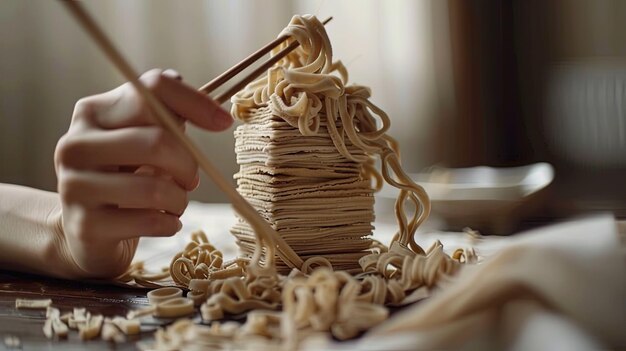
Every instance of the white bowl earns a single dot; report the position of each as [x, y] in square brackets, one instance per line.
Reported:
[492, 200]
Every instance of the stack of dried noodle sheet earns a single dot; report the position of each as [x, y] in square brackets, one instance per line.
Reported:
[315, 198]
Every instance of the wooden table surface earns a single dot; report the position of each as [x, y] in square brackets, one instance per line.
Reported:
[99, 299]
[102, 299]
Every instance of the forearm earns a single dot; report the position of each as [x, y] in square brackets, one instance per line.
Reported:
[31, 235]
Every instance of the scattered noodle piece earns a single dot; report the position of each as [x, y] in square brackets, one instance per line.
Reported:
[52, 312]
[163, 294]
[35, 304]
[79, 318]
[110, 332]
[127, 326]
[474, 236]
[65, 318]
[468, 255]
[47, 329]
[12, 342]
[171, 308]
[198, 297]
[91, 328]
[136, 272]
[54, 325]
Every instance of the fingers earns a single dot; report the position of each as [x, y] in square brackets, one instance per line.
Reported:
[124, 190]
[124, 107]
[113, 225]
[136, 223]
[133, 146]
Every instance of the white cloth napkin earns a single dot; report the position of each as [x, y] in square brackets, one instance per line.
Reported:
[561, 287]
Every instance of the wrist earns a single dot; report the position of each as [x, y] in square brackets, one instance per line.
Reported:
[73, 261]
[31, 235]
[58, 253]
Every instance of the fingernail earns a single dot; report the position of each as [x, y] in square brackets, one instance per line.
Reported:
[180, 226]
[172, 74]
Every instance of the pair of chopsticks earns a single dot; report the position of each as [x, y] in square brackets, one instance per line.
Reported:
[165, 117]
[230, 73]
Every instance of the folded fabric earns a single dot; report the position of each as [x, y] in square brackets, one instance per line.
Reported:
[561, 287]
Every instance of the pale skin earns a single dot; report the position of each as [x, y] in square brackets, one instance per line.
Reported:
[120, 176]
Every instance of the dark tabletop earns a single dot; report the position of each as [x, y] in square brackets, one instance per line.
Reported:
[27, 325]
[105, 299]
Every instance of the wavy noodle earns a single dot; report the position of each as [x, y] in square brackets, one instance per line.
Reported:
[136, 272]
[198, 260]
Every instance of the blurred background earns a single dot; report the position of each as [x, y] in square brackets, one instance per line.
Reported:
[466, 83]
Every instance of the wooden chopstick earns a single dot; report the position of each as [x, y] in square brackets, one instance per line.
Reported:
[231, 72]
[165, 117]
[225, 96]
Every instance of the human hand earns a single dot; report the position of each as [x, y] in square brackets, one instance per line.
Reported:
[122, 176]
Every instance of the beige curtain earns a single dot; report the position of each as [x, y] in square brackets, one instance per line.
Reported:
[48, 63]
